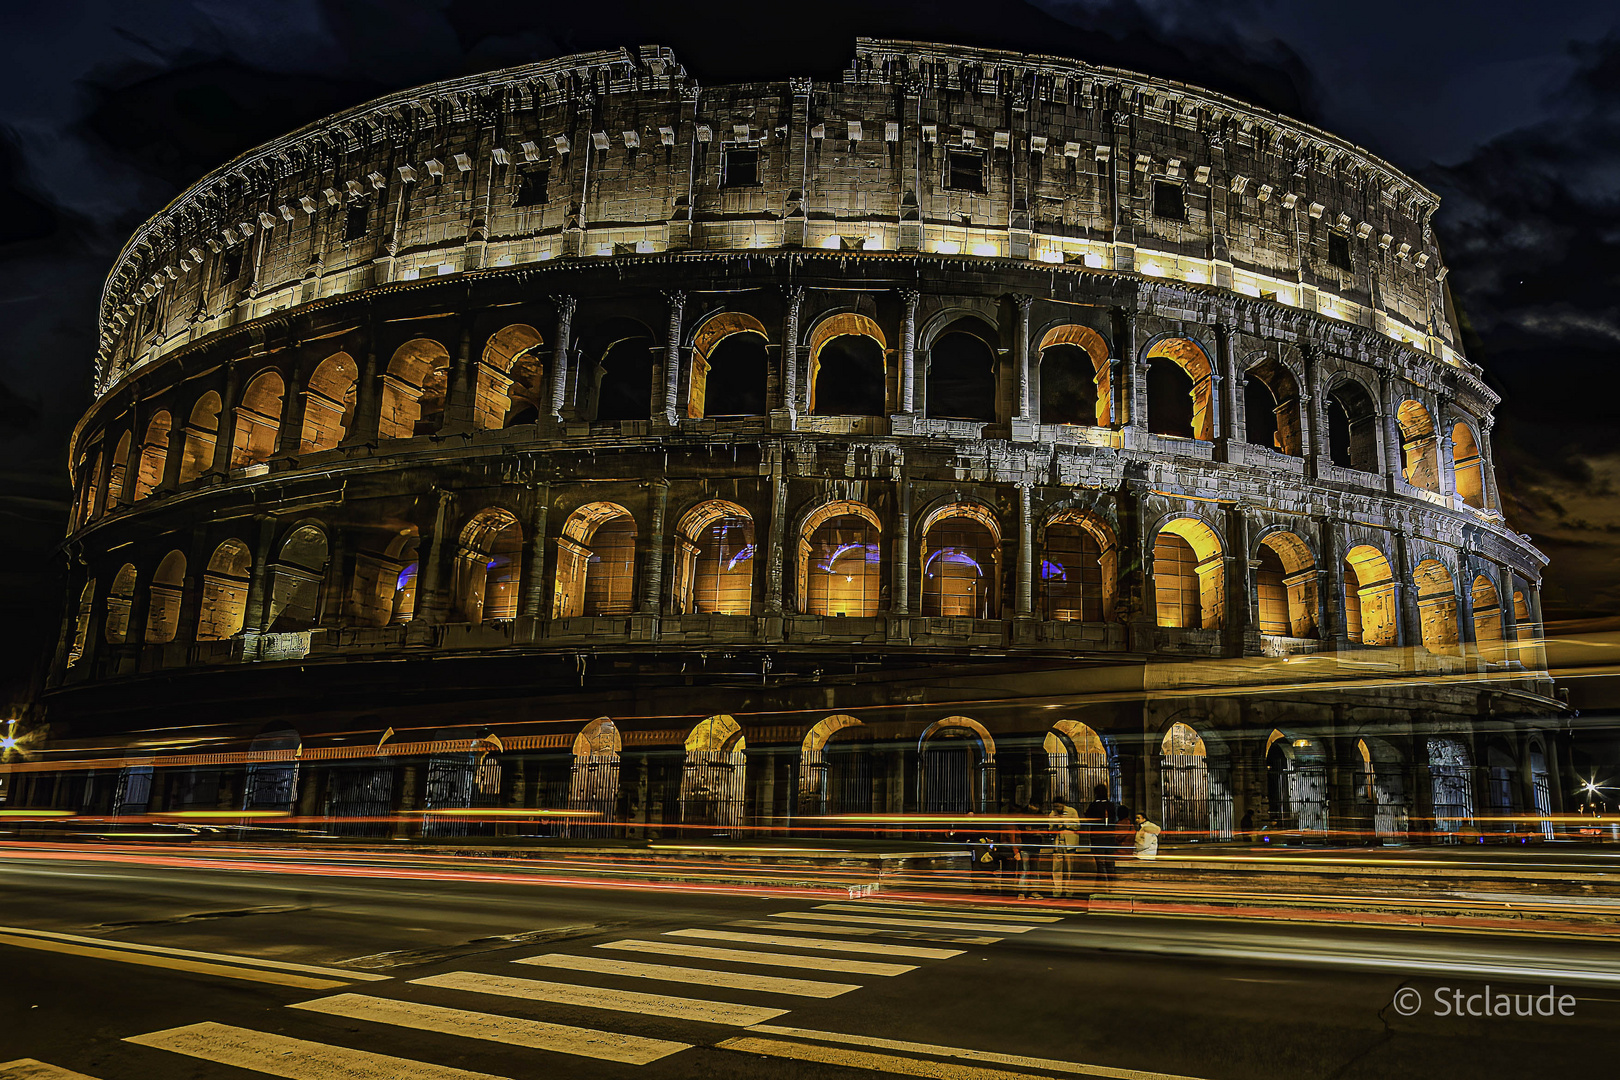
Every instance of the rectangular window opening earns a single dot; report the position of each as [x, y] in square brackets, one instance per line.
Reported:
[1339, 250]
[964, 171]
[230, 265]
[1169, 201]
[739, 167]
[355, 220]
[531, 190]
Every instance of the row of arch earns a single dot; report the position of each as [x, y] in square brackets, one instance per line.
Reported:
[850, 359]
[838, 572]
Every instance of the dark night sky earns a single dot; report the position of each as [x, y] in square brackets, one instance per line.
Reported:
[1511, 111]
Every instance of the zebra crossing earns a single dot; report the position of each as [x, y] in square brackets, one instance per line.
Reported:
[818, 954]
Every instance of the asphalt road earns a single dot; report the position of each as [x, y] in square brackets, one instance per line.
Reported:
[128, 969]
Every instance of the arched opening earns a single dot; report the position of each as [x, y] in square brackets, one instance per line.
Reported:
[120, 598]
[714, 560]
[593, 779]
[1451, 786]
[163, 600]
[1180, 390]
[730, 367]
[836, 769]
[1370, 617]
[1352, 427]
[296, 579]
[402, 553]
[1487, 619]
[413, 390]
[1437, 606]
[1541, 789]
[329, 401]
[839, 560]
[1078, 763]
[1524, 631]
[958, 764]
[1285, 585]
[1383, 787]
[1467, 466]
[202, 433]
[1192, 801]
[463, 773]
[1079, 569]
[510, 382]
[154, 455]
[847, 367]
[272, 773]
[712, 780]
[224, 592]
[962, 372]
[1502, 800]
[489, 558]
[1419, 458]
[258, 420]
[621, 378]
[1189, 588]
[81, 622]
[961, 562]
[1271, 408]
[1075, 383]
[596, 563]
[86, 487]
[117, 469]
[1296, 784]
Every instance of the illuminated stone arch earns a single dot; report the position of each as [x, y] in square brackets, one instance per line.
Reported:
[154, 455]
[1071, 393]
[1189, 575]
[593, 779]
[714, 560]
[163, 599]
[960, 560]
[510, 384]
[839, 559]
[1370, 613]
[202, 433]
[1468, 466]
[712, 779]
[1437, 605]
[820, 791]
[1285, 585]
[224, 592]
[963, 370]
[1180, 389]
[1079, 568]
[596, 562]
[81, 623]
[296, 580]
[117, 471]
[1296, 781]
[953, 781]
[413, 390]
[258, 420]
[1078, 762]
[489, 563]
[855, 384]
[120, 599]
[1487, 604]
[1420, 465]
[1271, 400]
[1352, 422]
[1195, 798]
[730, 367]
[329, 402]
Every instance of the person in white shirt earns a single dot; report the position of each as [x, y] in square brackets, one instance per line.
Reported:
[1067, 843]
[1147, 838]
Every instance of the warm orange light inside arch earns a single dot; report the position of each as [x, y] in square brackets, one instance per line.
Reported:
[845, 323]
[1092, 344]
[1286, 586]
[1191, 358]
[1369, 596]
[1189, 577]
[1437, 605]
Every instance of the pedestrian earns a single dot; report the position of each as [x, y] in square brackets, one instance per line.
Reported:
[1123, 834]
[1066, 843]
[1147, 838]
[1099, 823]
[1029, 854]
[986, 863]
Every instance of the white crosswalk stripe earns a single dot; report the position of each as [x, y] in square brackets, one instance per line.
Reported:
[867, 931]
[31, 1069]
[942, 913]
[864, 948]
[878, 920]
[590, 997]
[293, 1059]
[744, 956]
[507, 1030]
[770, 984]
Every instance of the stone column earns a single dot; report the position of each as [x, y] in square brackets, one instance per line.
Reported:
[1539, 627]
[140, 610]
[532, 587]
[367, 396]
[1227, 365]
[785, 416]
[292, 413]
[1409, 624]
[556, 389]
[460, 395]
[1021, 355]
[1130, 392]
[1026, 553]
[1391, 457]
[175, 455]
[256, 616]
[1329, 583]
[225, 433]
[777, 538]
[900, 602]
[652, 578]
[1312, 431]
[672, 358]
[432, 596]
[335, 588]
[1505, 613]
[908, 350]
[1486, 423]
[138, 418]
[1444, 449]
[1241, 615]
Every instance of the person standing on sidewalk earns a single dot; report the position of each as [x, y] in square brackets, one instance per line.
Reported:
[1146, 839]
[1122, 836]
[1066, 844]
[1099, 818]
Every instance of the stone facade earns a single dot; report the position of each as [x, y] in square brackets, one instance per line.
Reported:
[838, 444]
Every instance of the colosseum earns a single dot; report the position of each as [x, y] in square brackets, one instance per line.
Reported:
[580, 440]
